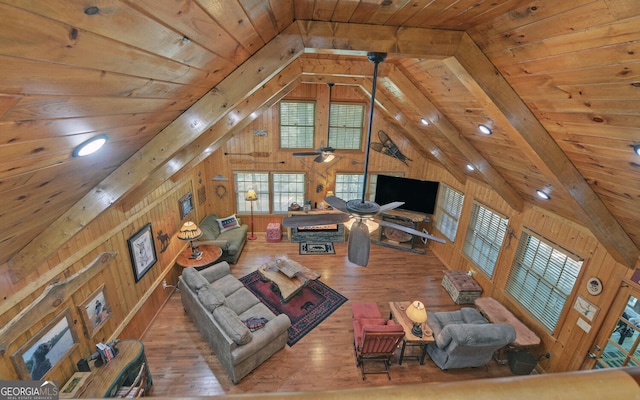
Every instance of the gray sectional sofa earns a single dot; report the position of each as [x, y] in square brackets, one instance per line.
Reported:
[218, 303]
[231, 242]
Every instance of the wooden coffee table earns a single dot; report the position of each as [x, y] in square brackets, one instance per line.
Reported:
[397, 313]
[287, 276]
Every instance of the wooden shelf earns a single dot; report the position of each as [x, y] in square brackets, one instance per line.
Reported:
[417, 221]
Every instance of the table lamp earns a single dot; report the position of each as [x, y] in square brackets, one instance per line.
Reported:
[251, 197]
[191, 232]
[418, 314]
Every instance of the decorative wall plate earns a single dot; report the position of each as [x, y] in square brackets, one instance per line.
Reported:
[594, 286]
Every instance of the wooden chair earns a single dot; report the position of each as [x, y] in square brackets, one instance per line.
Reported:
[137, 386]
[376, 343]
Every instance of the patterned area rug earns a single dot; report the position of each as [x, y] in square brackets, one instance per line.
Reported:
[317, 248]
[307, 309]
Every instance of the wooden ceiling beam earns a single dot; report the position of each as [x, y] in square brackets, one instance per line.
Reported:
[211, 108]
[410, 96]
[358, 39]
[481, 77]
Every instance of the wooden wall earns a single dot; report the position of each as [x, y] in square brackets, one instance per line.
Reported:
[133, 305]
[569, 344]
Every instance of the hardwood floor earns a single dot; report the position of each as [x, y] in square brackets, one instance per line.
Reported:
[182, 364]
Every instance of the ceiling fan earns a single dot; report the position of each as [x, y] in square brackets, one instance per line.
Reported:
[323, 154]
[359, 213]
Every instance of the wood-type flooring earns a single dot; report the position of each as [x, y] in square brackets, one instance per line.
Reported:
[183, 365]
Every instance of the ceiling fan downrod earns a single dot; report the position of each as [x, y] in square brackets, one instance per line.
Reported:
[375, 58]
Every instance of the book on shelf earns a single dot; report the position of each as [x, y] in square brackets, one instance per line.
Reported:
[106, 352]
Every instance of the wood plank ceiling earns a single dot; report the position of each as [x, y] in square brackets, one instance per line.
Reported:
[558, 82]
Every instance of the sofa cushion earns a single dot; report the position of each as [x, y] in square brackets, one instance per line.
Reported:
[232, 325]
[228, 223]
[209, 227]
[216, 271]
[227, 285]
[241, 300]
[194, 279]
[211, 298]
[235, 239]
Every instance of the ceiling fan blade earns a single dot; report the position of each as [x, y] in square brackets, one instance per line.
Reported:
[297, 221]
[391, 206]
[359, 243]
[337, 203]
[306, 154]
[410, 230]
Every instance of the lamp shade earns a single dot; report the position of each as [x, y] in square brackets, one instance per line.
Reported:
[417, 312]
[371, 224]
[251, 195]
[189, 231]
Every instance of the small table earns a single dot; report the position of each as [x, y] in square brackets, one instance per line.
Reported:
[498, 314]
[287, 276]
[397, 312]
[210, 254]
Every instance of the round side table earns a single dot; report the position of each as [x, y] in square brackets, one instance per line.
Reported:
[210, 254]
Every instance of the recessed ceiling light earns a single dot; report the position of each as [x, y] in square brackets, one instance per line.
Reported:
[424, 121]
[471, 167]
[542, 195]
[636, 148]
[90, 146]
[485, 129]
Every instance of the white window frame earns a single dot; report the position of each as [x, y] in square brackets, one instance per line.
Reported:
[297, 131]
[290, 191]
[346, 125]
[542, 277]
[448, 210]
[264, 183]
[485, 234]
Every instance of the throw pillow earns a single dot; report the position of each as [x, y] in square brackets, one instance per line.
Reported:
[255, 323]
[230, 222]
[211, 298]
[232, 325]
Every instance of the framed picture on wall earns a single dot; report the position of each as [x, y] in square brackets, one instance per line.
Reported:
[142, 251]
[45, 349]
[186, 205]
[95, 310]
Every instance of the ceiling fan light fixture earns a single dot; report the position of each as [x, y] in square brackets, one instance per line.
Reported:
[90, 146]
[485, 129]
[371, 224]
[328, 158]
[542, 195]
[636, 149]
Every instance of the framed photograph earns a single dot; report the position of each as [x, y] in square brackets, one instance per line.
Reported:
[73, 385]
[586, 309]
[142, 251]
[186, 205]
[46, 348]
[95, 310]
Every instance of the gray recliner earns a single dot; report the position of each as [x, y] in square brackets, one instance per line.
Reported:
[464, 338]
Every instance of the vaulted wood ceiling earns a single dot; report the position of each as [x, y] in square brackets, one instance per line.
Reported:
[169, 81]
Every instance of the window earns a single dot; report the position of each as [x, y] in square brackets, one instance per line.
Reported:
[542, 277]
[349, 186]
[297, 121]
[484, 238]
[448, 211]
[258, 181]
[287, 189]
[345, 131]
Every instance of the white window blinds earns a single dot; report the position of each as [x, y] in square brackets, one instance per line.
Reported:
[484, 238]
[448, 211]
[297, 120]
[542, 277]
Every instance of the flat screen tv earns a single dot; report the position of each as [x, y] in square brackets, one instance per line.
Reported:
[419, 196]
